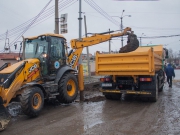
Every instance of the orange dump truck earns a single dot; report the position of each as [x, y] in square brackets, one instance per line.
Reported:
[139, 72]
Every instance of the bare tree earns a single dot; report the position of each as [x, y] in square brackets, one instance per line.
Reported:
[170, 53]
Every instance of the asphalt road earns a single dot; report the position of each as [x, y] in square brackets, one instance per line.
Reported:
[128, 116]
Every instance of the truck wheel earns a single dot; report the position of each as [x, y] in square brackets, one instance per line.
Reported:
[32, 101]
[162, 80]
[161, 89]
[116, 96]
[68, 88]
[155, 95]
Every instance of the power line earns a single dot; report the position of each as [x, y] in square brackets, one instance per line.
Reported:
[45, 14]
[40, 18]
[153, 28]
[101, 11]
[63, 6]
[162, 36]
[31, 23]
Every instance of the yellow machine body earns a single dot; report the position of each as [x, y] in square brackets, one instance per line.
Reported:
[29, 73]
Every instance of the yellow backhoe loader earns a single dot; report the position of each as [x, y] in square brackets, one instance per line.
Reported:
[45, 72]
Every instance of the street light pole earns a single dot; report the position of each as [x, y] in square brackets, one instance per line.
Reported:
[121, 31]
[121, 25]
[122, 28]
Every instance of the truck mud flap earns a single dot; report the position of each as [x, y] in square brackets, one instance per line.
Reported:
[5, 117]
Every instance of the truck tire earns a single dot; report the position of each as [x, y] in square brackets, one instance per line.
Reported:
[155, 95]
[161, 81]
[161, 89]
[68, 88]
[32, 101]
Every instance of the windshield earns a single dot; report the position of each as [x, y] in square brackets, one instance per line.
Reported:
[35, 47]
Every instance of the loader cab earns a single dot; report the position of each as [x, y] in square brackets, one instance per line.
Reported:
[50, 50]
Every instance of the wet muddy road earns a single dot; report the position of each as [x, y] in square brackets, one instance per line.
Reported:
[128, 116]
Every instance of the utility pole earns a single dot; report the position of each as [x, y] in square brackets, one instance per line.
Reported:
[80, 36]
[56, 31]
[89, 70]
[109, 43]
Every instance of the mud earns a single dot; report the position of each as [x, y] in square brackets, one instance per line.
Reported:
[131, 115]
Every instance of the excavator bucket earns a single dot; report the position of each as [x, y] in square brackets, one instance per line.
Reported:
[132, 44]
[4, 117]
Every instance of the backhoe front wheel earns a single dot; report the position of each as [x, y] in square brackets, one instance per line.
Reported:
[68, 88]
[32, 101]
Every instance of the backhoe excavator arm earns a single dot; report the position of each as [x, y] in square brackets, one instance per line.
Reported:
[78, 45]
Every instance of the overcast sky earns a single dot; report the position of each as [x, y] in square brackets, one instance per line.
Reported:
[153, 18]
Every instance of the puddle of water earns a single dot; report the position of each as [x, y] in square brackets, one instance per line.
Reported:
[92, 115]
[92, 124]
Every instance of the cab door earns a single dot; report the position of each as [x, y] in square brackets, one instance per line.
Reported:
[57, 55]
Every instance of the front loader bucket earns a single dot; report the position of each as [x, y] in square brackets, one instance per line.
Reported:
[132, 44]
[5, 117]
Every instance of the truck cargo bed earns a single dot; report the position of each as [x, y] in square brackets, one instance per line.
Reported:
[142, 61]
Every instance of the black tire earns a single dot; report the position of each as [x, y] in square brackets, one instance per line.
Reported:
[162, 80]
[161, 89]
[68, 88]
[155, 95]
[116, 96]
[32, 101]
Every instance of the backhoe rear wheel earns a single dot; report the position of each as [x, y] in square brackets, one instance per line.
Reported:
[68, 88]
[32, 101]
